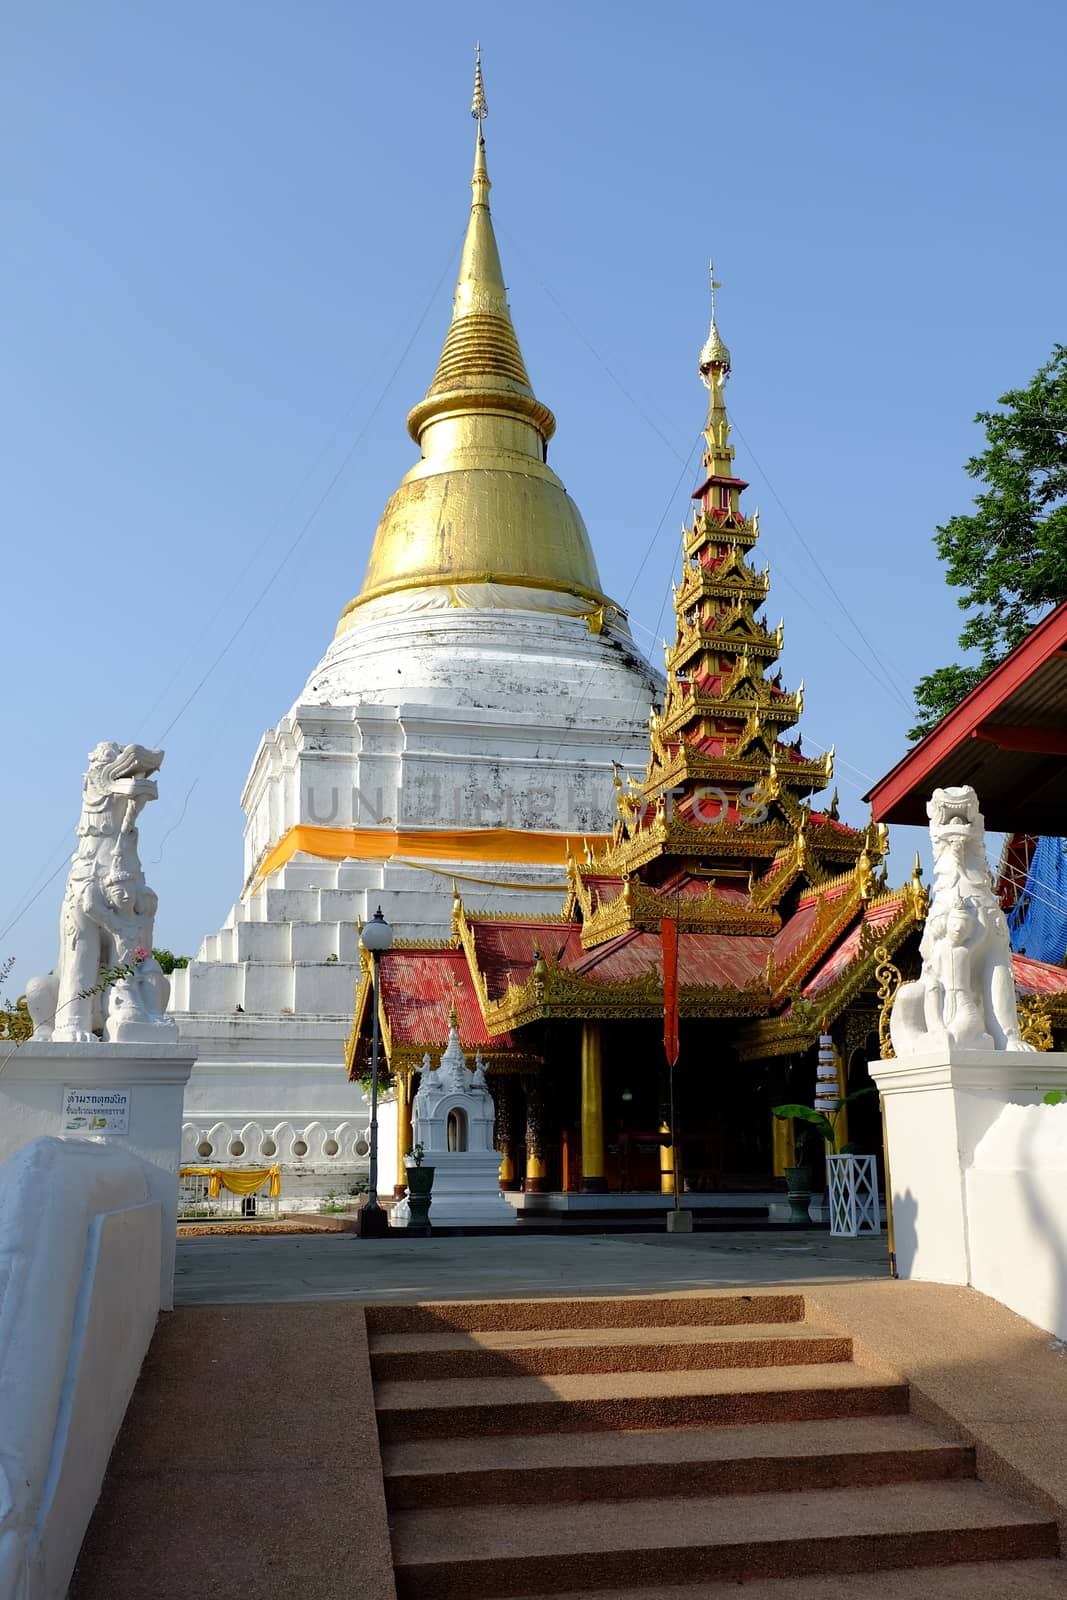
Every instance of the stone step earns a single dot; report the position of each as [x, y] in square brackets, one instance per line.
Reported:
[460, 1354]
[473, 1553]
[512, 1469]
[973, 1580]
[640, 1311]
[439, 1408]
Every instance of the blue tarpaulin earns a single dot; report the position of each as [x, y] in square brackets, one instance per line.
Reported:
[1038, 920]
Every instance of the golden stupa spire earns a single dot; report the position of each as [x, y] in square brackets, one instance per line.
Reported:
[481, 351]
[482, 505]
[714, 371]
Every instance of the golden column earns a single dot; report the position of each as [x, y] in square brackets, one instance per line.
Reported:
[404, 1136]
[593, 1178]
[667, 1168]
[536, 1181]
[500, 1087]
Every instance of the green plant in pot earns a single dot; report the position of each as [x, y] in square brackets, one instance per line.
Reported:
[420, 1184]
[819, 1128]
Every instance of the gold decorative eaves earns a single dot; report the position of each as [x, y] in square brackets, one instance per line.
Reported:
[888, 978]
[675, 837]
[681, 710]
[556, 993]
[684, 764]
[643, 909]
[705, 530]
[833, 918]
[409, 1057]
[1035, 1022]
[461, 923]
[795, 1032]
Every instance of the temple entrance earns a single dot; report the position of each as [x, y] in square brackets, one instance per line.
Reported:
[722, 1114]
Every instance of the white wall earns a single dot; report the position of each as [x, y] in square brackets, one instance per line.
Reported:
[1016, 1193]
[80, 1247]
[978, 1165]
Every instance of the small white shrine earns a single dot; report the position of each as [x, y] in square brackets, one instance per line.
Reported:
[452, 1119]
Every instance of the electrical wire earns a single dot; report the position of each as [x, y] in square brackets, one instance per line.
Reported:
[256, 553]
[889, 672]
[665, 513]
[21, 912]
[31, 898]
[312, 515]
[885, 675]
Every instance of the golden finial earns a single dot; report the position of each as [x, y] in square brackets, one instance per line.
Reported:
[479, 109]
[453, 1016]
[715, 357]
[919, 898]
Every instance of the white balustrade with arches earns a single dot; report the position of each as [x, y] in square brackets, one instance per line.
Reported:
[317, 1158]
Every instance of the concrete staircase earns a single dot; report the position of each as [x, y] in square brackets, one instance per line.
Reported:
[667, 1448]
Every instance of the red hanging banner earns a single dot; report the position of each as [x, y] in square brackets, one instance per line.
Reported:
[669, 932]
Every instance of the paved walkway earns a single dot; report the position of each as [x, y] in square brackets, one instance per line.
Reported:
[231, 1270]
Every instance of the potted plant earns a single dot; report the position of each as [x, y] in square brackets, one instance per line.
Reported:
[852, 1178]
[420, 1183]
[798, 1180]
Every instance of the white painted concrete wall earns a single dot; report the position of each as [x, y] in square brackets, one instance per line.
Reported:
[31, 1105]
[80, 1246]
[1017, 1214]
[978, 1166]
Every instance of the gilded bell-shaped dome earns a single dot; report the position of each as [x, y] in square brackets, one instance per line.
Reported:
[481, 505]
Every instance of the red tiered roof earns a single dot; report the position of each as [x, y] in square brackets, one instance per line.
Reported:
[419, 988]
[1038, 977]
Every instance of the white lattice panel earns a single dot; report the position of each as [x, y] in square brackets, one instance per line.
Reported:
[853, 1195]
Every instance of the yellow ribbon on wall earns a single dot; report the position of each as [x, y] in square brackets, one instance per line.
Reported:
[238, 1180]
[459, 844]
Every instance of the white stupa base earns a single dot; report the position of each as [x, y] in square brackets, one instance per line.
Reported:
[425, 715]
[466, 1191]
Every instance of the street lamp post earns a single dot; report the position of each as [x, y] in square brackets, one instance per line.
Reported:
[377, 938]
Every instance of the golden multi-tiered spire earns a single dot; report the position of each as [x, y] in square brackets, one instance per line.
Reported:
[482, 505]
[724, 720]
[721, 835]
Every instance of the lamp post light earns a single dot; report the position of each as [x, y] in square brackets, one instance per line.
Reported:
[377, 938]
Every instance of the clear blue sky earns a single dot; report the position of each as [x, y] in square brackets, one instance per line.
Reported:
[223, 225]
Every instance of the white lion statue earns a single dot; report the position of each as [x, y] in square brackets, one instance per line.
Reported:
[107, 980]
[964, 998]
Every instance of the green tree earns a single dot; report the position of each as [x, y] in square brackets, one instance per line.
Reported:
[168, 960]
[1009, 555]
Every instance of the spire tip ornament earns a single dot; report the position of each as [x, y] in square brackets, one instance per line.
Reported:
[479, 108]
[714, 357]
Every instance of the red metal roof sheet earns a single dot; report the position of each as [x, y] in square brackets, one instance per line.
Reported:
[1021, 785]
[1038, 977]
[418, 989]
[845, 952]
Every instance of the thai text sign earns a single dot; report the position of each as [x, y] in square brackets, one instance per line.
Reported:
[96, 1110]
